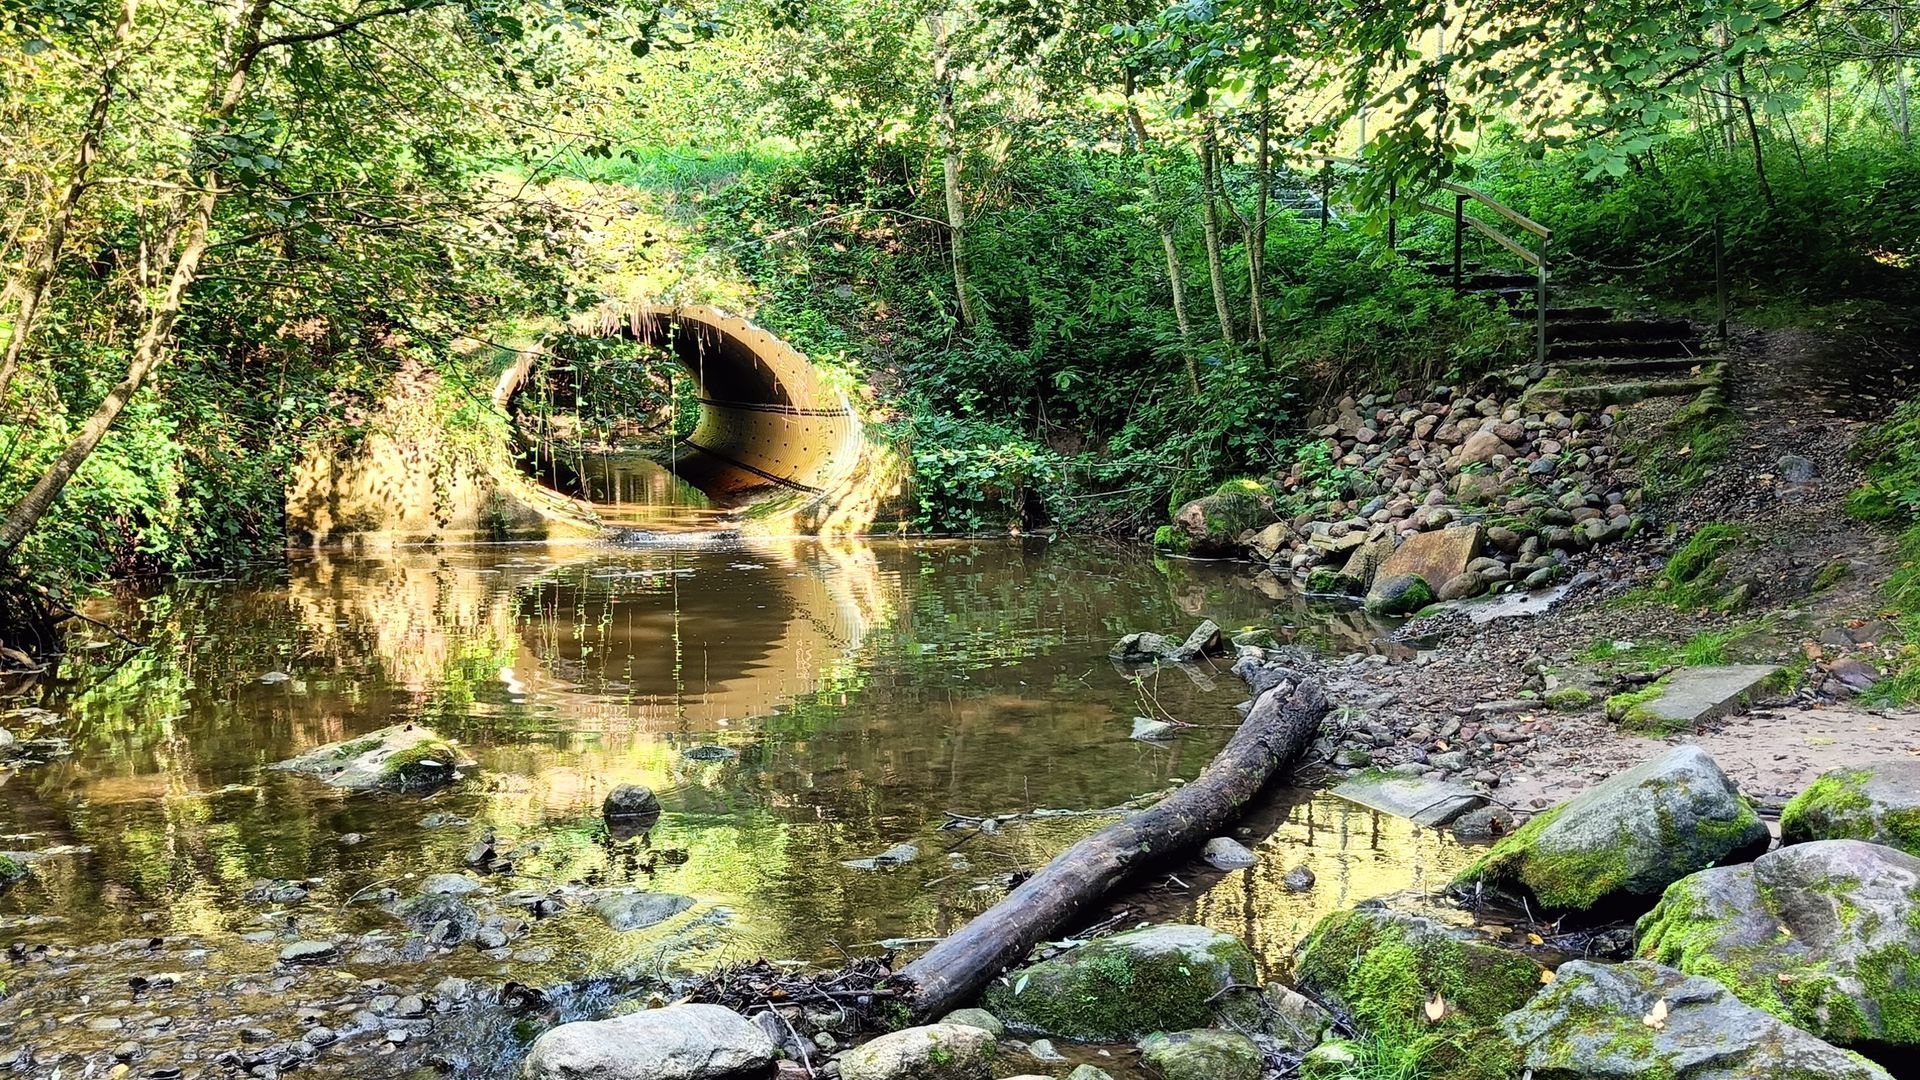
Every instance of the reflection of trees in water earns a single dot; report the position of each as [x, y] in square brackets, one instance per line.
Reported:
[868, 688]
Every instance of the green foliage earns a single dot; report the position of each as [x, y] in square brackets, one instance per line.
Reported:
[1890, 458]
[971, 475]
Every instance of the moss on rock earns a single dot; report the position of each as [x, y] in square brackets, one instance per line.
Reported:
[1202, 1055]
[1161, 978]
[1569, 698]
[1384, 967]
[1879, 804]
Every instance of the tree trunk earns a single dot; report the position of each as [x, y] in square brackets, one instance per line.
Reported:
[1164, 225]
[1257, 245]
[1210, 223]
[1753, 134]
[1281, 724]
[950, 170]
[224, 94]
[1903, 116]
[39, 274]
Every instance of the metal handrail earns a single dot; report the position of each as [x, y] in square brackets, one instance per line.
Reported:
[1535, 256]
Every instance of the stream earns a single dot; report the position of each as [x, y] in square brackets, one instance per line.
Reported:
[838, 699]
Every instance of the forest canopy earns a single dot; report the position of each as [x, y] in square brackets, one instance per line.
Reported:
[1082, 259]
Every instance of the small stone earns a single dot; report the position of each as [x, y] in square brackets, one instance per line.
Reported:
[1299, 879]
[308, 952]
[1226, 853]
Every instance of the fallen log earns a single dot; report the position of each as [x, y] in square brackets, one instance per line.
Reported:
[1281, 724]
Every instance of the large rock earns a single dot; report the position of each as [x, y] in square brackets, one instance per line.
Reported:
[1202, 1055]
[1438, 557]
[1399, 594]
[1641, 1021]
[1825, 935]
[680, 1042]
[631, 802]
[1114, 989]
[1212, 524]
[934, 1052]
[1481, 448]
[1627, 838]
[1879, 803]
[1365, 562]
[1384, 967]
[404, 757]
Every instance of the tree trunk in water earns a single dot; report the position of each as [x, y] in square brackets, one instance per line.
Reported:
[1281, 724]
[39, 275]
[224, 97]
[1164, 225]
[950, 171]
[1210, 222]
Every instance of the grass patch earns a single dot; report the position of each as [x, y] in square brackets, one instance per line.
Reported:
[1692, 578]
[1705, 649]
[1688, 447]
[1902, 684]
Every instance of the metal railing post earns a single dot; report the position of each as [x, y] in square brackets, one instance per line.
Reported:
[1540, 310]
[1326, 195]
[1393, 223]
[1459, 224]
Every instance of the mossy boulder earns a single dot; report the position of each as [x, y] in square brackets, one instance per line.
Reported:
[11, 871]
[1623, 841]
[933, 1052]
[1384, 968]
[1324, 581]
[1825, 935]
[1400, 594]
[404, 757]
[1204, 1054]
[1119, 988]
[1642, 1021]
[1212, 524]
[1879, 803]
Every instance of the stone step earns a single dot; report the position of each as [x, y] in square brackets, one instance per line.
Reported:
[1692, 695]
[1584, 313]
[1599, 395]
[1602, 366]
[1423, 800]
[1643, 347]
[1620, 330]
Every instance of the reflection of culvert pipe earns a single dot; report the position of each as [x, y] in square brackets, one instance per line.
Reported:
[769, 425]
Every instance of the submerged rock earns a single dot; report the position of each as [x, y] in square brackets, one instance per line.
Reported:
[1147, 729]
[680, 1042]
[1158, 978]
[632, 909]
[1293, 1018]
[1627, 838]
[1879, 803]
[934, 1052]
[1825, 935]
[404, 757]
[1640, 1020]
[1204, 1054]
[897, 855]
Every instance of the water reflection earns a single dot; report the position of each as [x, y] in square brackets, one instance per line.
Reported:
[864, 689]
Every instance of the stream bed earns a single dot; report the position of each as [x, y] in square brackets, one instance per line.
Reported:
[797, 705]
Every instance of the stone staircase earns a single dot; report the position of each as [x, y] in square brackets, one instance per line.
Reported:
[1595, 356]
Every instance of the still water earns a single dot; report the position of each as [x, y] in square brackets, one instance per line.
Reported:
[866, 690]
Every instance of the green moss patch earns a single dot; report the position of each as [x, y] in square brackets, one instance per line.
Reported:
[1837, 807]
[1384, 968]
[1114, 990]
[1569, 698]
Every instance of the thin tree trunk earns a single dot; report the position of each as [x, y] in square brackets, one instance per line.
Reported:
[224, 97]
[1753, 134]
[39, 274]
[1903, 117]
[1257, 246]
[1281, 724]
[1210, 223]
[1163, 223]
[950, 171]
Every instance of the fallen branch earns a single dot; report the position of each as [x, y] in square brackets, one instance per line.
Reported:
[1281, 724]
